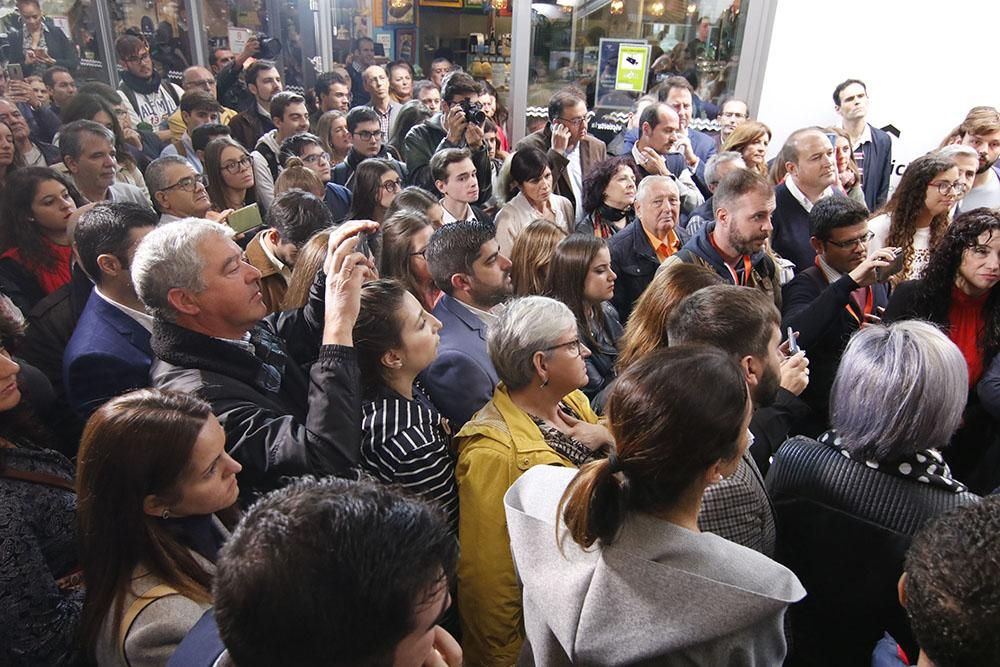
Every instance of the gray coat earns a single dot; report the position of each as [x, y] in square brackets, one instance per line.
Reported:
[660, 594]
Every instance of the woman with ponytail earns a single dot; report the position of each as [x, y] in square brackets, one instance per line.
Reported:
[614, 568]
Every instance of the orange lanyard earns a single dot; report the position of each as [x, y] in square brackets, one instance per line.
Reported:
[747, 266]
[869, 302]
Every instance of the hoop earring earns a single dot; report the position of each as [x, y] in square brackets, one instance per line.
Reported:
[544, 384]
[166, 514]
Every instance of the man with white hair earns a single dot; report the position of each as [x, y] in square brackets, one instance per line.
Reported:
[638, 250]
[210, 340]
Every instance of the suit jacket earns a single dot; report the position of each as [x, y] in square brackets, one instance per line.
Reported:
[107, 355]
[635, 262]
[818, 310]
[703, 146]
[711, 601]
[461, 379]
[790, 238]
[877, 167]
[591, 150]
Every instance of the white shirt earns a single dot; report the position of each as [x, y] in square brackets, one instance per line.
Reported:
[34, 157]
[576, 180]
[879, 225]
[800, 196]
[447, 218]
[488, 318]
[145, 320]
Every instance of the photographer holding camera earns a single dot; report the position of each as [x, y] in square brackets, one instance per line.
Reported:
[458, 125]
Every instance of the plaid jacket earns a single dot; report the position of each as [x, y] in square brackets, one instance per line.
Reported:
[738, 509]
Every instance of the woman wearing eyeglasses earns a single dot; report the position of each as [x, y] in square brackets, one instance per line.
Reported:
[958, 293]
[309, 150]
[376, 184]
[229, 170]
[404, 240]
[537, 417]
[917, 214]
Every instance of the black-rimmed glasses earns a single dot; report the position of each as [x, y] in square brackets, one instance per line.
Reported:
[578, 346]
[851, 243]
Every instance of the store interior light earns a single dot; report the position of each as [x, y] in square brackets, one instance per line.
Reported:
[692, 8]
[617, 7]
[657, 8]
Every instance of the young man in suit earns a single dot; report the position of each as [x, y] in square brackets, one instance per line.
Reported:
[465, 261]
[828, 302]
[109, 351]
[872, 147]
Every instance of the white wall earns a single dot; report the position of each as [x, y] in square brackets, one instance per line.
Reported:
[925, 64]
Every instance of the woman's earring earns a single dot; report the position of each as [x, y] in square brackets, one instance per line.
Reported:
[166, 514]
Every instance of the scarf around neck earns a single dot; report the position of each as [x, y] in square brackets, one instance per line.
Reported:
[142, 86]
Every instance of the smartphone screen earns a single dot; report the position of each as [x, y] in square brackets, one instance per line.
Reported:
[244, 219]
[14, 72]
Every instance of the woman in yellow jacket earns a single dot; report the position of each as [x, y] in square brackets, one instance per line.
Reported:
[537, 416]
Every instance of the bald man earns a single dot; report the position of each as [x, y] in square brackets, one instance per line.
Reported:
[196, 78]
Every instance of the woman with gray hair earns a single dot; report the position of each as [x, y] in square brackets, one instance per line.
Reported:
[847, 505]
[537, 416]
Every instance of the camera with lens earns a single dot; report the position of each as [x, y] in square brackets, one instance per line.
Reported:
[473, 112]
[270, 47]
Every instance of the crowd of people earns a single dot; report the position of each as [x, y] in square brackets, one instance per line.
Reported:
[357, 378]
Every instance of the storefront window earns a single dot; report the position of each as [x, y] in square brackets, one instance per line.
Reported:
[78, 20]
[578, 42]
[164, 24]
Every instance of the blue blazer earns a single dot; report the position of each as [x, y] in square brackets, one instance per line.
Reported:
[877, 166]
[108, 354]
[461, 379]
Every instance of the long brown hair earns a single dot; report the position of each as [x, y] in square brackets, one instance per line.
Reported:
[134, 446]
[397, 235]
[216, 184]
[908, 202]
[568, 271]
[852, 165]
[744, 135]
[379, 328]
[647, 327]
[673, 414]
[308, 263]
[531, 254]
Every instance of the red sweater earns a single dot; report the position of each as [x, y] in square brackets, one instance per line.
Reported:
[52, 278]
[966, 322]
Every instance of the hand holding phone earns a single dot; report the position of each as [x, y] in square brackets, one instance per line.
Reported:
[793, 343]
[244, 219]
[883, 273]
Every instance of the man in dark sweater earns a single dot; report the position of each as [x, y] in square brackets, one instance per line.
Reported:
[826, 303]
[812, 171]
[285, 388]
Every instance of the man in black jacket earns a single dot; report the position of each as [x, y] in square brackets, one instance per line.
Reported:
[449, 129]
[828, 302]
[263, 82]
[366, 142]
[282, 417]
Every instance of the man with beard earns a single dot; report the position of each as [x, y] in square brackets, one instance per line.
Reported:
[872, 146]
[733, 246]
[981, 131]
[465, 262]
[639, 249]
[150, 99]
[744, 323]
[830, 301]
[812, 171]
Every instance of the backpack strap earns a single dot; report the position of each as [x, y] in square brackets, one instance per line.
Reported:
[138, 605]
[168, 84]
[130, 94]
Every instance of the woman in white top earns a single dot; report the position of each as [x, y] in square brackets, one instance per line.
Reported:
[918, 212]
[614, 567]
[531, 175]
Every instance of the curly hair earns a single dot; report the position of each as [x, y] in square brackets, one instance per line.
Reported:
[596, 181]
[908, 202]
[934, 298]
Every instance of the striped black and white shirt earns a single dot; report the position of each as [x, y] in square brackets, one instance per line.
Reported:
[407, 443]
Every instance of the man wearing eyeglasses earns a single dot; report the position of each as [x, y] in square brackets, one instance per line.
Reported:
[197, 79]
[827, 302]
[732, 114]
[571, 151]
[366, 142]
[308, 148]
[290, 117]
[178, 191]
[197, 108]
[151, 100]
[812, 171]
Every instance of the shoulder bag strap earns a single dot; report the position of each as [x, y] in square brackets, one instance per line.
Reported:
[149, 597]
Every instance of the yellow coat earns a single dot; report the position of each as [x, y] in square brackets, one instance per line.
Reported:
[495, 447]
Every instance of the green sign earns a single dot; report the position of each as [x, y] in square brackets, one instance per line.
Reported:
[633, 67]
